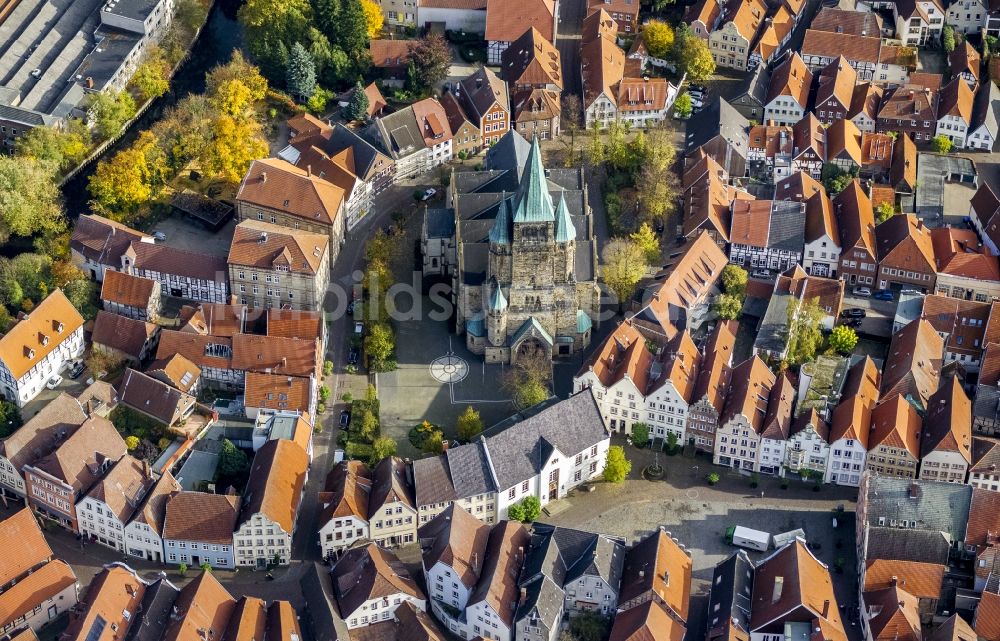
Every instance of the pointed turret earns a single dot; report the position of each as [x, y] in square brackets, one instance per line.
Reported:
[500, 232]
[497, 301]
[534, 204]
[565, 231]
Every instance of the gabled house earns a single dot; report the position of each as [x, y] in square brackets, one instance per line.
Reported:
[370, 583]
[865, 103]
[181, 273]
[946, 444]
[706, 199]
[776, 33]
[624, 12]
[918, 21]
[417, 138]
[909, 111]
[467, 137]
[155, 399]
[856, 223]
[891, 614]
[486, 101]
[36, 439]
[497, 591]
[913, 366]
[820, 48]
[720, 131]
[711, 388]
[658, 571]
[965, 63]
[808, 446]
[809, 151]
[532, 68]
[702, 17]
[961, 325]
[737, 439]
[505, 22]
[97, 244]
[130, 296]
[111, 503]
[788, 95]
[777, 427]
[855, 23]
[767, 234]
[198, 528]
[392, 514]
[344, 507]
[730, 43]
[124, 338]
[955, 111]
[905, 254]
[969, 17]
[843, 146]
[144, 531]
[876, 156]
[602, 66]
[729, 598]
[459, 476]
[984, 131]
[751, 94]
[922, 581]
[894, 442]
[835, 91]
[850, 424]
[966, 269]
[770, 152]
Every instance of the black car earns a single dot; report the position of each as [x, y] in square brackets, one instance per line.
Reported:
[853, 312]
[350, 308]
[345, 418]
[352, 358]
[853, 322]
[76, 369]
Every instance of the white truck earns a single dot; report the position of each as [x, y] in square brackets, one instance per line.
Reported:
[744, 537]
[783, 539]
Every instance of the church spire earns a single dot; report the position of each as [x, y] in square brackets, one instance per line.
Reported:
[534, 204]
[498, 302]
[565, 231]
[500, 232]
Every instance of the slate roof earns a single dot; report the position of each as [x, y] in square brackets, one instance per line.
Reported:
[986, 111]
[432, 480]
[718, 118]
[470, 470]
[508, 153]
[156, 607]
[731, 594]
[519, 451]
[940, 507]
[542, 597]
[894, 543]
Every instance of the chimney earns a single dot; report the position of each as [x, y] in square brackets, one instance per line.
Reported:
[893, 580]
[309, 170]
[779, 583]
[642, 574]
[826, 608]
[145, 469]
[263, 177]
[524, 593]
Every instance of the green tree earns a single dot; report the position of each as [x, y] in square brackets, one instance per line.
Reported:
[82, 293]
[640, 434]
[433, 442]
[656, 184]
[237, 69]
[300, 78]
[843, 339]
[232, 460]
[804, 334]
[151, 77]
[884, 212]
[528, 381]
[271, 27]
[380, 342]
[712, 478]
[318, 102]
[182, 569]
[382, 448]
[357, 108]
[532, 508]
[623, 264]
[835, 179]
[646, 239]
[431, 59]
[10, 418]
[941, 144]
[727, 306]
[617, 467]
[470, 425]
[131, 442]
[692, 56]
[515, 512]
[369, 427]
[352, 32]
[734, 280]
[55, 149]
[659, 38]
[683, 105]
[948, 38]
[589, 626]
[109, 112]
[206, 566]
[30, 202]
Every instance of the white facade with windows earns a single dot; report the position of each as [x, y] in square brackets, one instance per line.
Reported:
[26, 387]
[341, 533]
[737, 445]
[729, 48]
[821, 257]
[567, 471]
[621, 405]
[601, 112]
[486, 622]
[98, 521]
[194, 553]
[394, 524]
[847, 462]
[953, 128]
[807, 450]
[943, 465]
[380, 609]
[968, 16]
[143, 541]
[261, 538]
[917, 31]
[666, 412]
[784, 110]
[771, 456]
[985, 481]
[444, 585]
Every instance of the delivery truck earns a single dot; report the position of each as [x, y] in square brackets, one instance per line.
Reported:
[744, 537]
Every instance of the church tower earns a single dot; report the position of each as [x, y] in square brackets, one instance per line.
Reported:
[496, 315]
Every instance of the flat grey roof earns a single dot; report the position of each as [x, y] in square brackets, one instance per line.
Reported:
[200, 466]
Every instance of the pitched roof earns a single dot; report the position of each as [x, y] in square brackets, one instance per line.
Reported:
[948, 426]
[958, 252]
[903, 173]
[602, 64]
[370, 572]
[706, 198]
[913, 366]
[746, 15]
[276, 184]
[984, 518]
[985, 454]
[867, 99]
[197, 516]
[792, 578]
[506, 21]
[905, 237]
[837, 80]
[153, 510]
[276, 355]
[705, 11]
[480, 92]
[409, 623]
[906, 103]
[953, 629]
[389, 485]
[532, 60]
[519, 450]
[167, 259]
[657, 565]
[282, 622]
[77, 460]
[985, 110]
[844, 141]
[749, 393]
[177, 371]
[791, 78]
[775, 31]
[103, 240]
[778, 420]
[829, 44]
[126, 289]
[122, 488]
[688, 284]
[858, 23]
[504, 555]
[896, 614]
[155, 398]
[277, 392]
[203, 604]
[457, 539]
[713, 380]
[42, 433]
[248, 621]
[855, 218]
[896, 424]
[389, 53]
[957, 100]
[274, 489]
[965, 59]
[39, 333]
[643, 94]
[646, 622]
[214, 319]
[35, 590]
[266, 246]
[126, 335]
[987, 620]
[24, 545]
[203, 351]
[922, 580]
[894, 543]
[113, 598]
[600, 24]
[347, 486]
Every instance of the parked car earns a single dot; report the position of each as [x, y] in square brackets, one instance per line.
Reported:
[678, 116]
[853, 322]
[429, 194]
[159, 236]
[910, 291]
[350, 308]
[76, 368]
[853, 312]
[352, 358]
[862, 291]
[345, 418]
[54, 382]
[761, 273]
[359, 328]
[883, 294]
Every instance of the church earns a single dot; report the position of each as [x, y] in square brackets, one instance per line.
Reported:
[516, 243]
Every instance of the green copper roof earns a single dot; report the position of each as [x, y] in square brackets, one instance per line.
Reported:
[534, 204]
[500, 232]
[476, 327]
[497, 301]
[583, 322]
[565, 231]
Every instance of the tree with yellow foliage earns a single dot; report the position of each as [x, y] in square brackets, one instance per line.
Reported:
[133, 177]
[235, 144]
[373, 17]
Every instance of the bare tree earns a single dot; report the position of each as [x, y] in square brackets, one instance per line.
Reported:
[572, 112]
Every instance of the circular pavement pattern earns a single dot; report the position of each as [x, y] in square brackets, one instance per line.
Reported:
[449, 369]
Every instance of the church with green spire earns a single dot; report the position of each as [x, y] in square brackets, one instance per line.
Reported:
[517, 242]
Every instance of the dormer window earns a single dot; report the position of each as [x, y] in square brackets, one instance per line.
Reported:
[59, 328]
[30, 352]
[43, 339]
